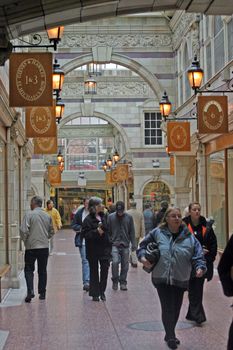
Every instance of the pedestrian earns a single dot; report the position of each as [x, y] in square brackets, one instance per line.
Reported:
[149, 218]
[35, 231]
[139, 226]
[160, 214]
[122, 234]
[180, 252]
[204, 232]
[76, 225]
[225, 267]
[98, 248]
[56, 219]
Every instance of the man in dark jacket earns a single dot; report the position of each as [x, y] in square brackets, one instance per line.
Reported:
[122, 233]
[225, 275]
[160, 215]
[80, 243]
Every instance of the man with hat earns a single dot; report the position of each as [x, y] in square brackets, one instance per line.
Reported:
[122, 233]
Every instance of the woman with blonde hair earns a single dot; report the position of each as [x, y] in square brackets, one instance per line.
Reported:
[180, 253]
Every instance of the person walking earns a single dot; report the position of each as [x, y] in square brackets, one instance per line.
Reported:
[149, 218]
[35, 231]
[56, 219]
[225, 274]
[122, 234]
[180, 252]
[76, 225]
[98, 248]
[139, 226]
[204, 232]
[160, 215]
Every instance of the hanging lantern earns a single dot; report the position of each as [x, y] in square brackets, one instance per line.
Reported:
[165, 105]
[90, 86]
[116, 156]
[195, 74]
[60, 157]
[60, 107]
[58, 77]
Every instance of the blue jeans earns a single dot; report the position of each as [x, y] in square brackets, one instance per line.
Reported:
[85, 265]
[120, 255]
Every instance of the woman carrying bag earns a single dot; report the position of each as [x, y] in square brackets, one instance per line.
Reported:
[180, 252]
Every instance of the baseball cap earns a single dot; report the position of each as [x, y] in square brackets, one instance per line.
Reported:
[120, 207]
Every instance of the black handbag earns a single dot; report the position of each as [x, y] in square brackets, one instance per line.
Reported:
[152, 255]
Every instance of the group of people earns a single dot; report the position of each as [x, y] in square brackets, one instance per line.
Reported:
[188, 247]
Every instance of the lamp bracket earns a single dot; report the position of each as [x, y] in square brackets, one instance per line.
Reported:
[228, 89]
[36, 41]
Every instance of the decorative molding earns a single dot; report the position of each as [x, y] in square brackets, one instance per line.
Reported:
[142, 40]
[104, 88]
[182, 27]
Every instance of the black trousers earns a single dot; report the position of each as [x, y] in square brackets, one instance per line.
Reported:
[98, 277]
[171, 298]
[30, 257]
[195, 293]
[230, 337]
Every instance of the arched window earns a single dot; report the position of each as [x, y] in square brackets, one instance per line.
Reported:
[219, 58]
[230, 39]
[186, 64]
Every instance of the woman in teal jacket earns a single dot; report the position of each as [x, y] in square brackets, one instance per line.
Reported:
[180, 255]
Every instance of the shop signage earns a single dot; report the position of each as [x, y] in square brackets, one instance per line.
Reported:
[41, 122]
[178, 136]
[31, 79]
[212, 114]
[45, 145]
[54, 174]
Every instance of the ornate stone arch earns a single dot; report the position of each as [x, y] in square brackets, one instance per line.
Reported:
[190, 174]
[151, 179]
[104, 117]
[148, 76]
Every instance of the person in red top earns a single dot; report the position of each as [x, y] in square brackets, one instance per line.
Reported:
[204, 232]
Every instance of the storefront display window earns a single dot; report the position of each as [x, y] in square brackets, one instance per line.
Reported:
[230, 189]
[216, 195]
[154, 193]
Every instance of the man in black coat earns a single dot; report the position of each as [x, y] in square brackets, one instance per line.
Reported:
[225, 275]
[80, 243]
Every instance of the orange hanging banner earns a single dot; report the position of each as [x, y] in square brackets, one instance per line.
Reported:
[122, 172]
[212, 114]
[54, 174]
[45, 145]
[178, 136]
[172, 165]
[31, 79]
[41, 122]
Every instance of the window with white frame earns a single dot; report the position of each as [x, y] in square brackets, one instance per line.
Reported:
[230, 39]
[219, 59]
[152, 130]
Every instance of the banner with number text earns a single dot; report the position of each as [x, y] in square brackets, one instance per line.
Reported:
[212, 114]
[31, 79]
[41, 122]
[178, 136]
[45, 145]
[54, 174]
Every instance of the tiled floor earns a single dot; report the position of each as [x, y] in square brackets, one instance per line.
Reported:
[69, 319]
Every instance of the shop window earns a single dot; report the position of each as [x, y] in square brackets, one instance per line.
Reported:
[230, 39]
[219, 58]
[154, 193]
[216, 195]
[152, 130]
[230, 188]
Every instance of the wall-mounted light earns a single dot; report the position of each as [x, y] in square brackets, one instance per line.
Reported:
[58, 78]
[165, 106]
[195, 74]
[60, 157]
[59, 109]
[54, 35]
